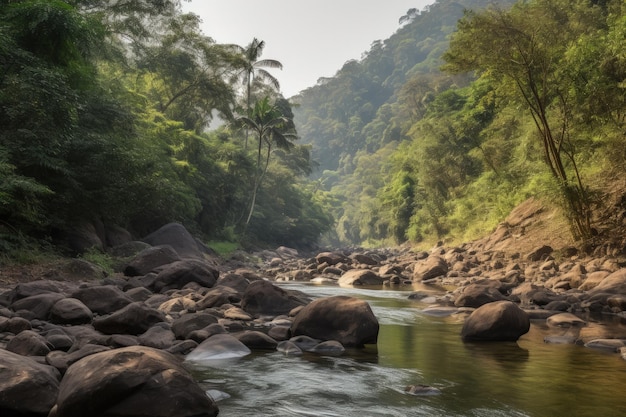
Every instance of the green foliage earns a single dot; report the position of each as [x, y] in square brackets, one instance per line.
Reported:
[103, 115]
[532, 105]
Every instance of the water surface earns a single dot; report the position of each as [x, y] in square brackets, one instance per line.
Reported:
[527, 378]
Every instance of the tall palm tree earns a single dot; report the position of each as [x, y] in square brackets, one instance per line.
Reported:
[272, 129]
[253, 67]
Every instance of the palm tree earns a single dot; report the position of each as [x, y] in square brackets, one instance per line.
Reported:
[253, 67]
[272, 129]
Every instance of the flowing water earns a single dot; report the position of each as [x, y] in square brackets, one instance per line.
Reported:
[527, 378]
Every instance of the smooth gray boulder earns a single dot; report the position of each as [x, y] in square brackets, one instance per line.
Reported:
[497, 321]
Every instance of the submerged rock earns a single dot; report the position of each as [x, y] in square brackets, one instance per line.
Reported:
[217, 347]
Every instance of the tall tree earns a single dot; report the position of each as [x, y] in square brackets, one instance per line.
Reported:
[272, 129]
[524, 48]
[253, 68]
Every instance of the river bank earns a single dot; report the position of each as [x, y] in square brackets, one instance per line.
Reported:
[170, 298]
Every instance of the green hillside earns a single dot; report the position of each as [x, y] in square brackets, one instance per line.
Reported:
[424, 139]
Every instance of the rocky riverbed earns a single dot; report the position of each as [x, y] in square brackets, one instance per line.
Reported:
[82, 342]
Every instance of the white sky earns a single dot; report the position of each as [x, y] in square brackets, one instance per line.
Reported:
[311, 38]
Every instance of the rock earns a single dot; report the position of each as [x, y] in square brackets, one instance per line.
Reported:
[234, 281]
[613, 345]
[422, 390]
[348, 320]
[265, 298]
[187, 323]
[176, 236]
[179, 304]
[28, 289]
[279, 333]
[27, 388]
[328, 348]
[360, 277]
[133, 319]
[497, 321]
[539, 253]
[289, 348]
[28, 343]
[304, 342]
[102, 299]
[330, 258]
[39, 305]
[218, 347]
[432, 267]
[440, 311]
[256, 340]
[476, 295]
[62, 360]
[177, 274]
[70, 311]
[149, 259]
[16, 325]
[131, 382]
[159, 336]
[592, 280]
[614, 283]
[565, 320]
[236, 313]
[219, 296]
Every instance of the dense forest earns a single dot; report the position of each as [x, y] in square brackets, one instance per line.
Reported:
[104, 109]
[440, 130]
[469, 108]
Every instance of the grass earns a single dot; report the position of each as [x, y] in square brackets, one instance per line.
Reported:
[223, 248]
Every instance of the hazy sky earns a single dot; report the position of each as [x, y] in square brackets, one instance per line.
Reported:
[311, 38]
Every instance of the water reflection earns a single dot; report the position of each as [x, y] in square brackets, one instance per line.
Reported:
[528, 378]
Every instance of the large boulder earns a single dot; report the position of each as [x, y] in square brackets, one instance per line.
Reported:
[70, 311]
[497, 321]
[37, 305]
[614, 283]
[177, 274]
[432, 267]
[265, 298]
[331, 258]
[27, 388]
[360, 277]
[29, 343]
[102, 299]
[131, 382]
[136, 318]
[176, 236]
[347, 320]
[149, 259]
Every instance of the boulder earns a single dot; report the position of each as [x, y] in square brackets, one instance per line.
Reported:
[360, 277]
[264, 298]
[177, 274]
[218, 347]
[614, 283]
[219, 296]
[256, 340]
[70, 311]
[176, 236]
[132, 382]
[497, 321]
[432, 267]
[331, 258]
[102, 299]
[565, 321]
[348, 320]
[133, 319]
[234, 281]
[149, 259]
[476, 295]
[27, 388]
[38, 305]
[187, 323]
[159, 336]
[29, 343]
[63, 360]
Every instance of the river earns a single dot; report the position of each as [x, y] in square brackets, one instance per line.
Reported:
[528, 378]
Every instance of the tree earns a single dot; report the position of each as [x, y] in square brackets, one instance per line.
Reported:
[524, 48]
[272, 129]
[254, 68]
